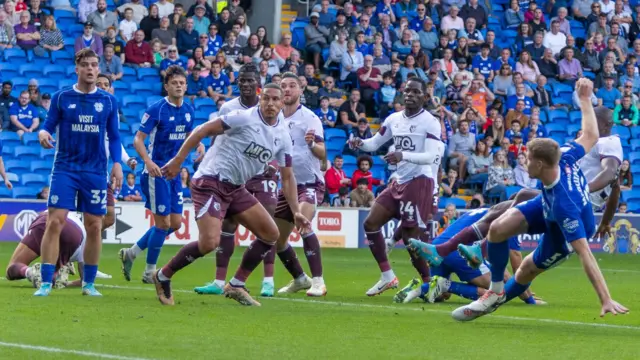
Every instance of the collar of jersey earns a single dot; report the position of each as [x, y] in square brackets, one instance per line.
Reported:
[166, 98]
[404, 113]
[266, 123]
[298, 109]
[75, 88]
[555, 182]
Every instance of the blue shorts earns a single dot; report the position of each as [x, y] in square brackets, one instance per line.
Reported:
[515, 243]
[163, 197]
[83, 192]
[552, 248]
[454, 263]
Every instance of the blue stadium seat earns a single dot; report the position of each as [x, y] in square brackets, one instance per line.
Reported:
[9, 138]
[69, 44]
[631, 196]
[206, 105]
[634, 158]
[556, 129]
[335, 145]
[20, 84]
[559, 87]
[5, 193]
[33, 180]
[47, 155]
[135, 127]
[70, 70]
[133, 101]
[146, 74]
[66, 83]
[62, 14]
[12, 177]
[349, 169]
[510, 190]
[621, 131]
[350, 160]
[153, 99]
[30, 71]
[120, 87]
[579, 33]
[48, 85]
[73, 30]
[27, 153]
[129, 74]
[143, 88]
[298, 40]
[378, 160]
[335, 133]
[573, 129]
[62, 56]
[635, 144]
[41, 167]
[17, 56]
[23, 192]
[202, 116]
[125, 127]
[459, 203]
[54, 70]
[7, 152]
[127, 141]
[9, 70]
[17, 166]
[130, 115]
[635, 132]
[575, 116]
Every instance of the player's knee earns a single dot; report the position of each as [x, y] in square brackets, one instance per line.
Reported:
[162, 222]
[270, 235]
[92, 226]
[229, 226]
[525, 274]
[56, 223]
[176, 225]
[496, 231]
[370, 225]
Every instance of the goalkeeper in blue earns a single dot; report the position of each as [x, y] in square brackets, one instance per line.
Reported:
[562, 213]
[80, 117]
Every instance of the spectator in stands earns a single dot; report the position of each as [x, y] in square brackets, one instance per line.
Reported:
[334, 94]
[110, 64]
[517, 114]
[362, 131]
[118, 46]
[569, 68]
[622, 208]
[454, 90]
[34, 92]
[451, 184]
[554, 39]
[350, 111]
[449, 216]
[197, 58]
[24, 115]
[263, 70]
[513, 129]
[522, 174]
[386, 95]
[630, 77]
[165, 8]
[102, 19]
[342, 200]
[158, 54]
[520, 94]
[365, 27]
[197, 85]
[27, 36]
[43, 194]
[428, 37]
[474, 37]
[479, 162]
[84, 9]
[45, 105]
[38, 13]
[50, 37]
[517, 147]
[613, 50]
[326, 113]
[580, 10]
[7, 36]
[626, 113]
[316, 38]
[362, 172]
[215, 41]
[483, 64]
[352, 60]
[203, 42]
[523, 37]
[361, 196]
[185, 183]
[473, 117]
[326, 18]
[12, 17]
[335, 178]
[625, 179]
[233, 51]
[130, 191]
[245, 29]
[608, 70]
[309, 98]
[591, 57]
[165, 35]
[128, 26]
[150, 22]
[461, 146]
[534, 126]
[209, 12]
[500, 176]
[600, 26]
[608, 96]
[527, 67]
[178, 21]
[6, 99]
[537, 48]
[563, 22]
[369, 78]
[452, 20]
[200, 21]
[227, 69]
[252, 50]
[447, 64]
[284, 48]
[88, 40]
[496, 131]
[576, 101]
[138, 53]
[139, 11]
[513, 17]
[337, 49]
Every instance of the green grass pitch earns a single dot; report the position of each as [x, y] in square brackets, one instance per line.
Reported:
[129, 322]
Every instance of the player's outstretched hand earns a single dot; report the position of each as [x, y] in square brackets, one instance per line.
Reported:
[603, 231]
[613, 307]
[270, 170]
[153, 169]
[393, 158]
[584, 87]
[8, 184]
[46, 140]
[310, 137]
[302, 223]
[116, 176]
[132, 163]
[354, 143]
[201, 150]
[171, 169]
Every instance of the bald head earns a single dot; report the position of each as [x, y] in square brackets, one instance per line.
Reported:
[605, 120]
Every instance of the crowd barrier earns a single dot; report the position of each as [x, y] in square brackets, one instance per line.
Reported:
[336, 228]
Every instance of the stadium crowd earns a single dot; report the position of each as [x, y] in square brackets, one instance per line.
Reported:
[499, 74]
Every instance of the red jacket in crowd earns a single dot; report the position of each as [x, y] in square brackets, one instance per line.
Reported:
[360, 174]
[138, 54]
[332, 180]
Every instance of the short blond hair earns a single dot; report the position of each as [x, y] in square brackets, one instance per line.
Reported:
[545, 150]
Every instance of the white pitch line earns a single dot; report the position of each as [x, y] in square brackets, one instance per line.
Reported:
[67, 351]
[406, 308]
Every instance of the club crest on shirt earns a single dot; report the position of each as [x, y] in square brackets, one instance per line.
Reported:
[276, 141]
[98, 106]
[187, 117]
[290, 125]
[412, 128]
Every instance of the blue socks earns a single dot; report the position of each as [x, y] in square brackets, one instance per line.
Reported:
[89, 274]
[156, 240]
[464, 290]
[143, 243]
[424, 289]
[513, 289]
[498, 257]
[47, 271]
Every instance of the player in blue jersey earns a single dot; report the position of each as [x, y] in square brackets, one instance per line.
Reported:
[562, 213]
[167, 123]
[81, 117]
[3, 174]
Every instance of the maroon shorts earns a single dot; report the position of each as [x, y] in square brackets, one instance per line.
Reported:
[265, 190]
[411, 202]
[218, 198]
[311, 194]
[70, 238]
[111, 201]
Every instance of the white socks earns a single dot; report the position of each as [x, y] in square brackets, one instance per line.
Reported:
[134, 251]
[497, 287]
[388, 275]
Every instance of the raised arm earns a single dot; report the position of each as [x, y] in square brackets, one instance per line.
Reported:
[372, 144]
[590, 133]
[608, 174]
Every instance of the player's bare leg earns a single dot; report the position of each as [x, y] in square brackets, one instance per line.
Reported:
[289, 259]
[19, 268]
[258, 221]
[50, 248]
[312, 251]
[92, 250]
[110, 218]
[209, 229]
[417, 261]
[378, 216]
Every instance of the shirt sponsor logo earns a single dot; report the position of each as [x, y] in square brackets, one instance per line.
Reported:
[329, 221]
[256, 151]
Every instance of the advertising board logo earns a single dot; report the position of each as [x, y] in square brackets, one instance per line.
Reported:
[329, 221]
[22, 222]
